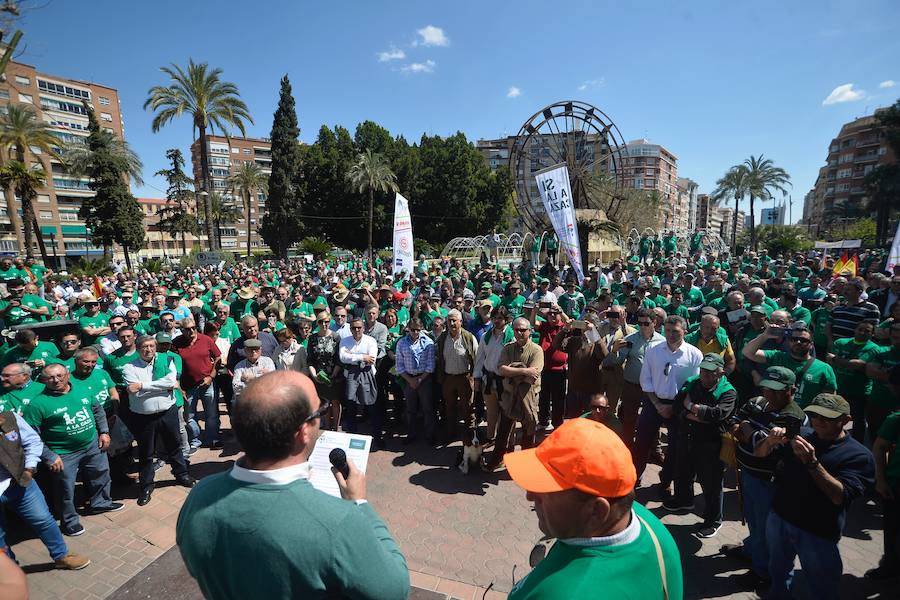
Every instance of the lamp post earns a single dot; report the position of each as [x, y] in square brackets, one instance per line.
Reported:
[201, 210]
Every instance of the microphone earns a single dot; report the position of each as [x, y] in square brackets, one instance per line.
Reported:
[338, 459]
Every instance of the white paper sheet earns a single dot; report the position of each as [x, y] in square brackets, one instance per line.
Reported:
[357, 448]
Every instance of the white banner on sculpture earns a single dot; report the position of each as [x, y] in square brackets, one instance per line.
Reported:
[556, 193]
[404, 257]
[894, 254]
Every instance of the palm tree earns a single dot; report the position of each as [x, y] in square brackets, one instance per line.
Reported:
[732, 185]
[213, 105]
[223, 211]
[247, 179]
[78, 158]
[763, 178]
[370, 173]
[26, 181]
[20, 131]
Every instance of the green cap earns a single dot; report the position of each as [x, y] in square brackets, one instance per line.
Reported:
[486, 285]
[163, 338]
[712, 362]
[778, 378]
[830, 406]
[759, 309]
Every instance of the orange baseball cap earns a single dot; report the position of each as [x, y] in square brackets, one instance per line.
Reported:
[581, 454]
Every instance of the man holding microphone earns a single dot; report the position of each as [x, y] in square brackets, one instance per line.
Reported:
[262, 531]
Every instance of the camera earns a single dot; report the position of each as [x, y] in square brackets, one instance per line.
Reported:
[754, 412]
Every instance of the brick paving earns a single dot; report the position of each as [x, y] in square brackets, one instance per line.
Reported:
[459, 533]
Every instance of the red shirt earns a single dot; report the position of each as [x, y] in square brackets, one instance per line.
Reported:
[554, 360]
[197, 358]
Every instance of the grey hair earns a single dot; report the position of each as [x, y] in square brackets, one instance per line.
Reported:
[247, 319]
[86, 350]
[454, 313]
[146, 338]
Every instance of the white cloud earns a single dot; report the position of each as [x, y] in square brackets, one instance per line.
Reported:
[844, 93]
[887, 84]
[425, 67]
[591, 83]
[392, 54]
[431, 36]
[513, 92]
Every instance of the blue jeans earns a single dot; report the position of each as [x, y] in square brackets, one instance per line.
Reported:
[94, 468]
[758, 494]
[205, 394]
[820, 559]
[29, 503]
[645, 439]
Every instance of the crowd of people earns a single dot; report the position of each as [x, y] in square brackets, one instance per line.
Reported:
[777, 366]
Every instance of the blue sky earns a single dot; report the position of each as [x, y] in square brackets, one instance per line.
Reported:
[714, 82]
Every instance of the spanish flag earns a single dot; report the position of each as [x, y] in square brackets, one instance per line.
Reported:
[97, 287]
[840, 265]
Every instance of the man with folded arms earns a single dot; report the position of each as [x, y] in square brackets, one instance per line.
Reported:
[581, 481]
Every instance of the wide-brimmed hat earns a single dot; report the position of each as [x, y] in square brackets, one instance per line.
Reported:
[247, 293]
[339, 293]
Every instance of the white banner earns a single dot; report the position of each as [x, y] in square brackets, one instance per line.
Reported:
[404, 257]
[553, 184]
[894, 254]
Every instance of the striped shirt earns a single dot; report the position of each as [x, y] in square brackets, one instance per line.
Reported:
[844, 319]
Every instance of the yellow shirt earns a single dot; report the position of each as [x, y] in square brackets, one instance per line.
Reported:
[713, 346]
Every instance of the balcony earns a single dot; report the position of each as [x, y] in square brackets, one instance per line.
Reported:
[868, 157]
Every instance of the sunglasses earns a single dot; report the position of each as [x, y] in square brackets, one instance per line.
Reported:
[521, 330]
[323, 409]
[613, 315]
[667, 369]
[356, 327]
[325, 322]
[642, 323]
[800, 340]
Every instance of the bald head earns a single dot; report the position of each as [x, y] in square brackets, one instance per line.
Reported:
[270, 417]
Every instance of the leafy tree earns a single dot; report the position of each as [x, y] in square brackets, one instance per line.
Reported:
[176, 217]
[213, 105]
[778, 239]
[883, 183]
[223, 211]
[20, 131]
[323, 175]
[734, 184]
[113, 215]
[246, 180]
[26, 181]
[280, 225]
[369, 174]
[763, 178]
[316, 246]
[862, 229]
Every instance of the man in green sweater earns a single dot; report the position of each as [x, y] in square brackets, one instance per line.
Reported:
[581, 480]
[262, 530]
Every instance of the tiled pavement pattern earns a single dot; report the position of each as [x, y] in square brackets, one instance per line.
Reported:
[458, 532]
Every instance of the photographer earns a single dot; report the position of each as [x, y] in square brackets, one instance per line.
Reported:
[708, 400]
[817, 475]
[754, 422]
[585, 351]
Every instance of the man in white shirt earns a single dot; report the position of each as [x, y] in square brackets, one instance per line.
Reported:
[150, 385]
[487, 364]
[358, 353]
[109, 343]
[254, 365]
[666, 367]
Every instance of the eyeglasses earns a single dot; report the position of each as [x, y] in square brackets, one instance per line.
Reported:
[355, 327]
[323, 409]
[188, 328]
[69, 342]
[521, 330]
[643, 323]
[800, 340]
[612, 315]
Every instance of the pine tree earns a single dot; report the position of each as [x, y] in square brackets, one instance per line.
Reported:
[280, 226]
[176, 217]
[113, 215]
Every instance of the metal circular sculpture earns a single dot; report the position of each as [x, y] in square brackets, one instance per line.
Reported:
[466, 248]
[586, 140]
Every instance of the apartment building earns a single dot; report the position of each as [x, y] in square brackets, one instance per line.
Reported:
[225, 156]
[56, 100]
[686, 204]
[651, 167]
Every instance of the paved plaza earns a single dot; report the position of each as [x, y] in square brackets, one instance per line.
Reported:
[460, 534]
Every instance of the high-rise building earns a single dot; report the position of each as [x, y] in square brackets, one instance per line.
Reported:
[859, 147]
[57, 101]
[225, 156]
[717, 219]
[686, 204]
[651, 167]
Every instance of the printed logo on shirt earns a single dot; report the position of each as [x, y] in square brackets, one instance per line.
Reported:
[12, 436]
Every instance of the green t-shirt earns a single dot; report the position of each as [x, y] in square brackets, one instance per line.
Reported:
[514, 305]
[10, 274]
[18, 316]
[65, 421]
[17, 400]
[572, 304]
[114, 364]
[101, 319]
[890, 431]
[229, 330]
[818, 379]
[801, 314]
[147, 326]
[97, 384]
[852, 382]
[46, 351]
[627, 570]
[881, 395]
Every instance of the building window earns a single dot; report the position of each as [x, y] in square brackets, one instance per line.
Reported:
[22, 80]
[4, 94]
[43, 199]
[106, 116]
[26, 98]
[63, 90]
[104, 101]
[46, 215]
[51, 104]
[235, 150]
[246, 150]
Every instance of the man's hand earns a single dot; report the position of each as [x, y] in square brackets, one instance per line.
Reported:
[103, 441]
[134, 388]
[57, 465]
[38, 364]
[803, 450]
[207, 381]
[354, 486]
[618, 344]
[369, 359]
[665, 410]
[26, 477]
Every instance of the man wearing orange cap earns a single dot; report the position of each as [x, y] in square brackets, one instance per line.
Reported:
[581, 480]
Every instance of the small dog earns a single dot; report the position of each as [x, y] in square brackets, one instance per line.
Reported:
[470, 454]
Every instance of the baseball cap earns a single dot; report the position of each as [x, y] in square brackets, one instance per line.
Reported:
[486, 286]
[485, 302]
[758, 309]
[163, 338]
[712, 362]
[252, 344]
[580, 454]
[777, 378]
[830, 406]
